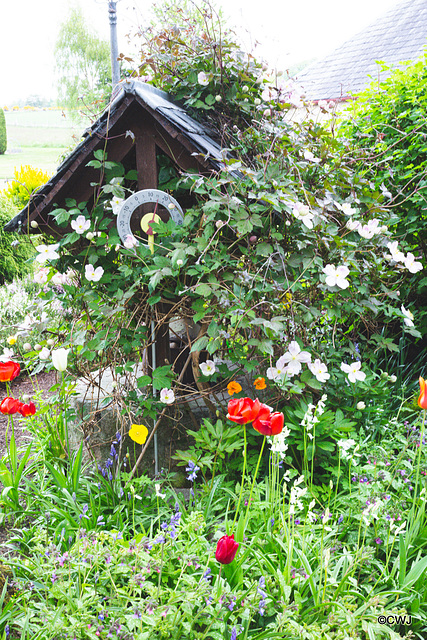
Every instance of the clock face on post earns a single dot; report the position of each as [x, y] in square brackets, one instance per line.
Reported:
[160, 201]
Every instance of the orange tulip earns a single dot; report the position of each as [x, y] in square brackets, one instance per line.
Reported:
[422, 400]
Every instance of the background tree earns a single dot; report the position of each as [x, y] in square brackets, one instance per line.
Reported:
[83, 64]
[3, 135]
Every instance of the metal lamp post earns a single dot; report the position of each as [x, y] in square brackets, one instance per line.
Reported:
[115, 68]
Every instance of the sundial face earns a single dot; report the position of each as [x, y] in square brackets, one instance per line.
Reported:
[158, 199]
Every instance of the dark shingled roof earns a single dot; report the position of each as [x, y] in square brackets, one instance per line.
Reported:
[398, 36]
[195, 136]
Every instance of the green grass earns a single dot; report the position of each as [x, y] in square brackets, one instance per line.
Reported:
[41, 129]
[39, 139]
[46, 158]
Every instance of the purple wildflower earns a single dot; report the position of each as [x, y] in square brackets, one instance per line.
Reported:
[192, 469]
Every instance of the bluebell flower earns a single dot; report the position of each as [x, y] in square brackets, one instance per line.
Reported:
[262, 593]
[192, 469]
[233, 635]
[340, 519]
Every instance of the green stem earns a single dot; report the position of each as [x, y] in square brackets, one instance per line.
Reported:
[243, 478]
[253, 484]
[160, 574]
[417, 476]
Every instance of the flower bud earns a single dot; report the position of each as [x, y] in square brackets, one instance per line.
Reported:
[90, 235]
[226, 549]
[26, 346]
[360, 406]
[34, 224]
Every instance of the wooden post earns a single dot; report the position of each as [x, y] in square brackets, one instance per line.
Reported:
[146, 166]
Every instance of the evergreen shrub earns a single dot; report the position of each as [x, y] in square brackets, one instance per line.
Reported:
[15, 259]
[26, 181]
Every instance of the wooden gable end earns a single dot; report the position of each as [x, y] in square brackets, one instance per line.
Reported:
[132, 133]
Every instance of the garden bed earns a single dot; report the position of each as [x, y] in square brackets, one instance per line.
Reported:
[20, 387]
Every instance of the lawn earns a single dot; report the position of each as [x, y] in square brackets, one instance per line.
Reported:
[46, 158]
[39, 139]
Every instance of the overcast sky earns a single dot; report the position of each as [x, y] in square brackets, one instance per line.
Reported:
[288, 31]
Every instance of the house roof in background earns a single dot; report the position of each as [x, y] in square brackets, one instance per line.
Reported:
[399, 35]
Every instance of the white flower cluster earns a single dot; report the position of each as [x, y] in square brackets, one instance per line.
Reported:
[371, 512]
[409, 261]
[291, 362]
[297, 493]
[368, 230]
[346, 447]
[278, 443]
[310, 417]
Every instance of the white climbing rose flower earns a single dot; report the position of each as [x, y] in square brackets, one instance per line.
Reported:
[336, 276]
[167, 396]
[208, 368]
[353, 371]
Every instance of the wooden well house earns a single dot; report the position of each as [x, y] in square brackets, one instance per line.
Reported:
[139, 126]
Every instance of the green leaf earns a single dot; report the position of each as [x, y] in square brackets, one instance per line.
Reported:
[154, 299]
[143, 381]
[200, 344]
[61, 215]
[264, 249]
[204, 290]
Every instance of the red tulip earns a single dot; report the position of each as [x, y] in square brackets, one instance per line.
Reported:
[226, 549]
[9, 371]
[269, 424]
[10, 406]
[27, 409]
[243, 410]
[422, 400]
